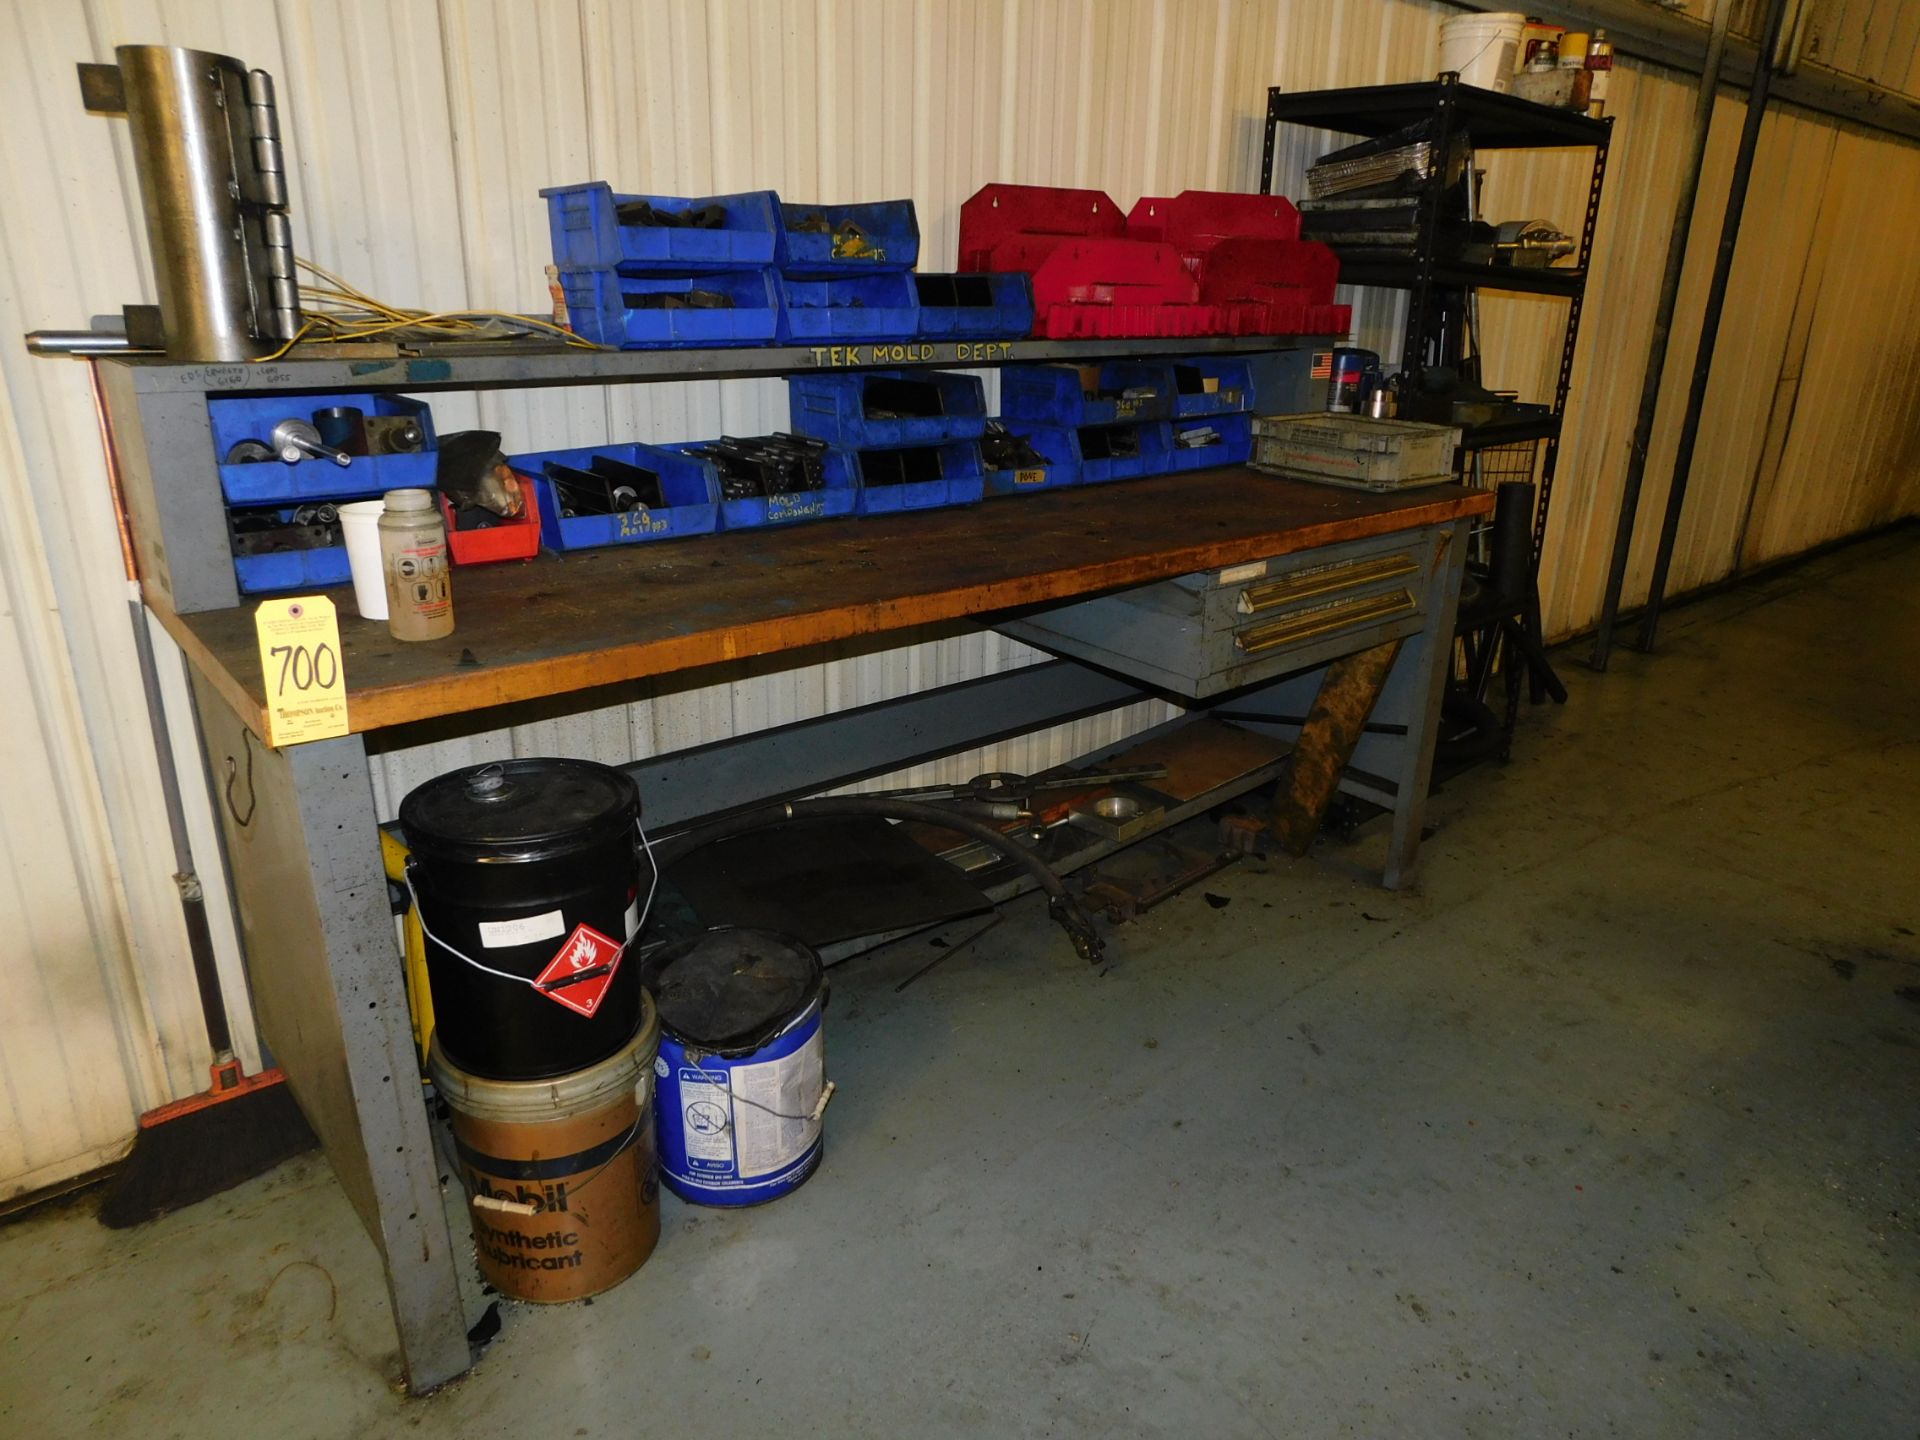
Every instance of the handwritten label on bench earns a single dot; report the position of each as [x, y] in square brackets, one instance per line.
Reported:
[912, 352]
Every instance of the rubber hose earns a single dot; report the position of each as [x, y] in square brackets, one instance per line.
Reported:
[1061, 905]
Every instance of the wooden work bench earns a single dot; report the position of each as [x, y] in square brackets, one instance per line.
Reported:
[1147, 570]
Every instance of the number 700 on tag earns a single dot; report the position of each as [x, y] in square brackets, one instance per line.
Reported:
[301, 666]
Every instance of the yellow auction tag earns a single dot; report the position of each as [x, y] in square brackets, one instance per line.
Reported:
[306, 681]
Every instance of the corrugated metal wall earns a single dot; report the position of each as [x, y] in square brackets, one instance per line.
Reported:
[422, 132]
[1878, 40]
[65, 971]
[99, 1015]
[1793, 450]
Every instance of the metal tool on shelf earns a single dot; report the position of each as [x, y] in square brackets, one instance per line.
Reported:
[336, 432]
[213, 187]
[1530, 243]
[393, 435]
[296, 440]
[607, 486]
[269, 531]
[1118, 818]
[1005, 795]
[777, 464]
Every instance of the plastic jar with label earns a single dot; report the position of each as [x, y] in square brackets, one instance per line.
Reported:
[413, 558]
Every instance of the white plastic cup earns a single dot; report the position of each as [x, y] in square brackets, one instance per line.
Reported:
[360, 527]
[1482, 47]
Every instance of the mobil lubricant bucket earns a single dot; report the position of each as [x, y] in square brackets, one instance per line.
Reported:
[527, 878]
[561, 1175]
[740, 1082]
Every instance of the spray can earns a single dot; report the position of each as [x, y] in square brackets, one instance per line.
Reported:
[413, 559]
[1599, 71]
[1350, 367]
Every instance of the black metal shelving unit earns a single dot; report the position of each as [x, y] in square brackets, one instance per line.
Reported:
[1486, 120]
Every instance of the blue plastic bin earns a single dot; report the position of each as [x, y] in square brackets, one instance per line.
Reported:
[688, 486]
[274, 482]
[586, 230]
[836, 498]
[960, 482]
[1155, 457]
[1051, 394]
[318, 569]
[878, 305]
[602, 307]
[1232, 379]
[975, 307]
[834, 407]
[1057, 447]
[1234, 447]
[889, 238]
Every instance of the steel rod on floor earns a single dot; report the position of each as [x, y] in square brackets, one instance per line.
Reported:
[1710, 322]
[1662, 333]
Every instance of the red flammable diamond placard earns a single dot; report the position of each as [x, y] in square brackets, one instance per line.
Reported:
[579, 975]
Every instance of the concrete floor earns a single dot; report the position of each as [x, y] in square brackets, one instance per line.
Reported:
[1609, 1130]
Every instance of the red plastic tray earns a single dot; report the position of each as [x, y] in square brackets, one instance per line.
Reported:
[516, 540]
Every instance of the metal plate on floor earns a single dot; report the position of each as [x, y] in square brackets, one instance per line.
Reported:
[824, 881]
[1201, 756]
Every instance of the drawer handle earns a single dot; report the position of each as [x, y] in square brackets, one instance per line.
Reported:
[1305, 584]
[1311, 624]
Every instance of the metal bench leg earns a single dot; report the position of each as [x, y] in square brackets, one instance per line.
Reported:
[1430, 653]
[304, 853]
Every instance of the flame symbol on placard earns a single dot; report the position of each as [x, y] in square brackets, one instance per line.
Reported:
[583, 952]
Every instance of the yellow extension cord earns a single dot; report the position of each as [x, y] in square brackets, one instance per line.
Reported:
[355, 315]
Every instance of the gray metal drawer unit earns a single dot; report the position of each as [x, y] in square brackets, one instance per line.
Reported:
[1205, 634]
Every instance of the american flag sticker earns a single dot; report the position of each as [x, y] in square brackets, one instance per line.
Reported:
[1323, 365]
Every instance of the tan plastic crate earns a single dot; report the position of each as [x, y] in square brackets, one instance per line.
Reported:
[1355, 449]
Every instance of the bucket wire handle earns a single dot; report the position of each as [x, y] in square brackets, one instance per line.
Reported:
[527, 980]
[724, 1081]
[633, 1134]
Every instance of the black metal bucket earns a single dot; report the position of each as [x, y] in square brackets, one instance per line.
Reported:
[528, 877]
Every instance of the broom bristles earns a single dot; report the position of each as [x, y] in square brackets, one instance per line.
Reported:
[197, 1155]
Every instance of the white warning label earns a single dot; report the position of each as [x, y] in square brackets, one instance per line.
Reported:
[706, 1118]
[772, 1101]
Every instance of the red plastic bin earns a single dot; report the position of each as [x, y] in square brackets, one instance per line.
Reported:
[516, 539]
[996, 213]
[1205, 262]
[1254, 269]
[1105, 322]
[1198, 219]
[1108, 272]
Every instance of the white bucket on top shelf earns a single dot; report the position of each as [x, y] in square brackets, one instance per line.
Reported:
[1482, 47]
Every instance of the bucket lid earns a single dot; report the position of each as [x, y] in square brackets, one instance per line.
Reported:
[520, 810]
[730, 991]
[534, 1101]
